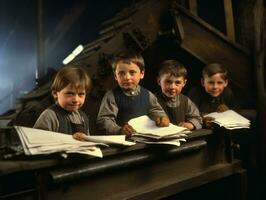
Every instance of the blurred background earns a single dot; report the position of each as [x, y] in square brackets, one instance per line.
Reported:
[57, 26]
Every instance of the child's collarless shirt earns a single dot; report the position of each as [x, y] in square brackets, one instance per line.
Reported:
[108, 112]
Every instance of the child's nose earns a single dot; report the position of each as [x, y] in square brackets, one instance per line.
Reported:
[215, 85]
[127, 75]
[75, 98]
[172, 85]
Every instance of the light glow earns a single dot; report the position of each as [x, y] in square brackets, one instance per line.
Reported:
[74, 53]
[78, 50]
[68, 59]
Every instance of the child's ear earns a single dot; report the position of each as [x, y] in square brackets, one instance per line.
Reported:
[115, 76]
[159, 81]
[185, 82]
[54, 94]
[202, 82]
[226, 83]
[142, 74]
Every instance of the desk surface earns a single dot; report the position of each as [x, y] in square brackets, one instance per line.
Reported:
[154, 171]
[22, 163]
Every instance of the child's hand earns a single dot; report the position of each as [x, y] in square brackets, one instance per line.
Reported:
[79, 136]
[162, 121]
[222, 108]
[207, 122]
[127, 130]
[187, 125]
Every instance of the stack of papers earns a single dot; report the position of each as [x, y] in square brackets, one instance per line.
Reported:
[229, 119]
[148, 132]
[37, 141]
[110, 139]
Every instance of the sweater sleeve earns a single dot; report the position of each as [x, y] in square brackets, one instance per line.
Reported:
[107, 114]
[156, 109]
[193, 115]
[47, 121]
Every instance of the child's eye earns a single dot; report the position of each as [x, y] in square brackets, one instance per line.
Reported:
[210, 82]
[132, 72]
[121, 73]
[70, 93]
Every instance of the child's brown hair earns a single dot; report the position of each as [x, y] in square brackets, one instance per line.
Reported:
[73, 75]
[173, 68]
[214, 68]
[129, 57]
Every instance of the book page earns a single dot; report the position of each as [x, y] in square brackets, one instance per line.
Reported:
[110, 139]
[230, 119]
[37, 141]
[144, 125]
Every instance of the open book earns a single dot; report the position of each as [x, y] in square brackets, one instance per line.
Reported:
[229, 119]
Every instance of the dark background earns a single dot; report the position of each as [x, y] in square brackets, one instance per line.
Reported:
[66, 24]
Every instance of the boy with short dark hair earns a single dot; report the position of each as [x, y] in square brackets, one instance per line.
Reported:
[129, 100]
[172, 77]
[214, 95]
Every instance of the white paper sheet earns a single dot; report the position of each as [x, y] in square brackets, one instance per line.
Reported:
[229, 119]
[37, 141]
[144, 125]
[110, 139]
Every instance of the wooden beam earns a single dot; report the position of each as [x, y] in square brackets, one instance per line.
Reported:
[193, 7]
[41, 69]
[229, 19]
[182, 3]
[259, 65]
[209, 45]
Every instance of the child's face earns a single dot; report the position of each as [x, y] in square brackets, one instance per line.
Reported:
[128, 75]
[70, 98]
[171, 85]
[214, 85]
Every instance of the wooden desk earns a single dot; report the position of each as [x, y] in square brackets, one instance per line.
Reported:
[138, 172]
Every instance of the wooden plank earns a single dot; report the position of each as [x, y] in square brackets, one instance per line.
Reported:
[209, 46]
[193, 7]
[211, 174]
[153, 181]
[259, 65]
[229, 19]
[134, 180]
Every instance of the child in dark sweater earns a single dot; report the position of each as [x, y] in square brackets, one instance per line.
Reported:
[214, 95]
[180, 109]
[69, 90]
[129, 100]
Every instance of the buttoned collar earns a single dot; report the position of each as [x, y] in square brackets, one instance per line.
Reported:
[132, 92]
